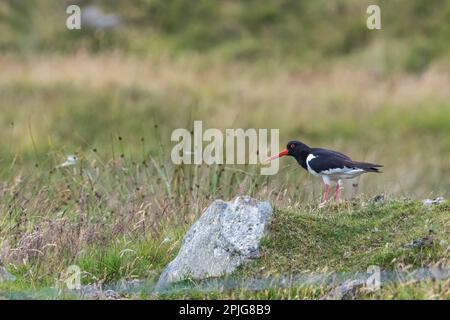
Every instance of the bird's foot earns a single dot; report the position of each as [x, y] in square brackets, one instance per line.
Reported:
[322, 204]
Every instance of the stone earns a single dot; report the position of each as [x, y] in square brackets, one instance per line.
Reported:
[223, 238]
[345, 291]
[5, 275]
[430, 202]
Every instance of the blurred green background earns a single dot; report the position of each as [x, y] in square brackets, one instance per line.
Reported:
[310, 68]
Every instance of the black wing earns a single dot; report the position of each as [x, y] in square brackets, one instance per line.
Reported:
[329, 159]
[327, 152]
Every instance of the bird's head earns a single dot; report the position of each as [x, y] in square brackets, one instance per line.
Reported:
[293, 148]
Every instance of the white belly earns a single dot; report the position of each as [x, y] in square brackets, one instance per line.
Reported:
[342, 173]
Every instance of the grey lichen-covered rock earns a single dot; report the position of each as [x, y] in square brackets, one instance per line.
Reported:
[226, 235]
[430, 202]
[346, 290]
[5, 275]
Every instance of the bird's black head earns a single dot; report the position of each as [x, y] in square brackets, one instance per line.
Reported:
[294, 149]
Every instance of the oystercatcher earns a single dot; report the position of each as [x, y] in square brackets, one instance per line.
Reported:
[328, 164]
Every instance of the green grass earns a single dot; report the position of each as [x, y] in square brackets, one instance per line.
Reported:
[310, 69]
[112, 212]
[413, 291]
[117, 114]
[351, 239]
[345, 238]
[143, 259]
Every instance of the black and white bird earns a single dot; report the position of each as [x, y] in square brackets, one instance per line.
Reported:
[328, 164]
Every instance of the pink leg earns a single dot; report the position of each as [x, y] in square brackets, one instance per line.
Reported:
[326, 189]
[337, 194]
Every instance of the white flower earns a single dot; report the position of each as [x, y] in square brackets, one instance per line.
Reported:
[70, 161]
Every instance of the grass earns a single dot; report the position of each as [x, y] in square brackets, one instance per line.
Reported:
[302, 240]
[120, 213]
[310, 69]
[310, 32]
[346, 239]
[56, 114]
[353, 238]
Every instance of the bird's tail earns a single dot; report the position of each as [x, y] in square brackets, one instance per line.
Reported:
[368, 167]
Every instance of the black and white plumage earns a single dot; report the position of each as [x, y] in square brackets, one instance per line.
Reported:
[328, 164]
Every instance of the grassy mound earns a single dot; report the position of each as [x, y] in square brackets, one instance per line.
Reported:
[349, 238]
[301, 241]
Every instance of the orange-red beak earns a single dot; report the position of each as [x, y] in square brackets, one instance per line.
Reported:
[283, 153]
